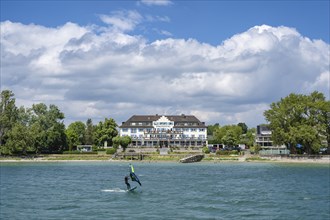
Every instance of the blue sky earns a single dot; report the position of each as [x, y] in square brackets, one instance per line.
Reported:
[207, 21]
[223, 61]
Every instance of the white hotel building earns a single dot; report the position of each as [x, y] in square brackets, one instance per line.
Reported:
[165, 131]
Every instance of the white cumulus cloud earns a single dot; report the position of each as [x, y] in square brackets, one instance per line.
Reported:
[122, 20]
[93, 72]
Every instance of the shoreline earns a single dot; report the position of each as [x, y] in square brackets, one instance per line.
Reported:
[239, 160]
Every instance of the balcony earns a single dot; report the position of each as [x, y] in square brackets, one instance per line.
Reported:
[169, 138]
[162, 132]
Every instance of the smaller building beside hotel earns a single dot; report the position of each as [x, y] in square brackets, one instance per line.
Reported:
[165, 131]
[264, 140]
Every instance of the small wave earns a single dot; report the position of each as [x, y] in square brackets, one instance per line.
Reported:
[116, 190]
[63, 207]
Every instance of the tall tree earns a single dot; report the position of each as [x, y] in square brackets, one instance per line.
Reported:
[19, 140]
[8, 114]
[48, 128]
[230, 139]
[243, 126]
[89, 132]
[211, 128]
[320, 111]
[105, 131]
[75, 134]
[228, 134]
[300, 119]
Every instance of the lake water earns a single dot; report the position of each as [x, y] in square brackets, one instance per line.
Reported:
[96, 190]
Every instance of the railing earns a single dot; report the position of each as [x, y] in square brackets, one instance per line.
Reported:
[169, 138]
[163, 132]
[299, 157]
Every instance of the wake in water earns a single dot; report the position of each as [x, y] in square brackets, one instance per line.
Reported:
[115, 190]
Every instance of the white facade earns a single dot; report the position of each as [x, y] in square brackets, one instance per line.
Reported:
[165, 131]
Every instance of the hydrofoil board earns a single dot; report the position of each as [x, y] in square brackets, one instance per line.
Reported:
[132, 189]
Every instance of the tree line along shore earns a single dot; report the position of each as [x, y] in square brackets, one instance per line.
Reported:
[296, 120]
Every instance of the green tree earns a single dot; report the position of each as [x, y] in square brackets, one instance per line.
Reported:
[8, 114]
[75, 134]
[228, 134]
[229, 139]
[243, 126]
[219, 133]
[89, 132]
[300, 119]
[307, 137]
[320, 112]
[212, 128]
[47, 128]
[19, 140]
[105, 131]
[249, 138]
[125, 141]
[116, 141]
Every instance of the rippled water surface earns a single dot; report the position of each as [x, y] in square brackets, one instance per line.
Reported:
[96, 190]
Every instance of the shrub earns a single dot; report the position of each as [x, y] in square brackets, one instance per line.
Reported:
[226, 152]
[111, 151]
[255, 149]
[206, 150]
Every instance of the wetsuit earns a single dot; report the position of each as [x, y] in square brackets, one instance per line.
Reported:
[127, 184]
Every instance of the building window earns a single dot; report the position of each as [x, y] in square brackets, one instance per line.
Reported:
[125, 130]
[133, 130]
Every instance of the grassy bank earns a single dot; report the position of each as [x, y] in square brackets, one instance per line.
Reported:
[215, 158]
[106, 157]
